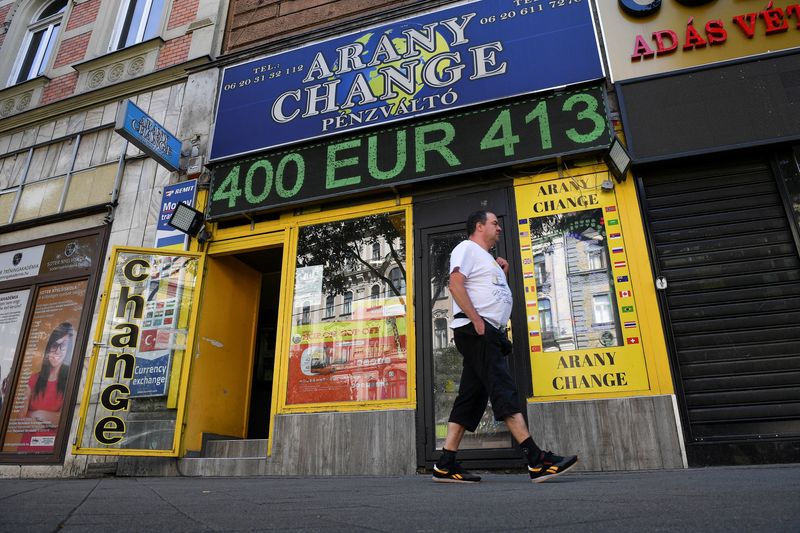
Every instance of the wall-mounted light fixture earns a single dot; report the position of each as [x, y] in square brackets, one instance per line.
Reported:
[190, 221]
[618, 160]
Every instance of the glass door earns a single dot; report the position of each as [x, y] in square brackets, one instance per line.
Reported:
[440, 226]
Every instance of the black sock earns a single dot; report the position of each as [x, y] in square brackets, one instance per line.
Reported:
[447, 459]
[530, 451]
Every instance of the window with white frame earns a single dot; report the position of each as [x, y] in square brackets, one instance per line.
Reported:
[376, 251]
[596, 260]
[138, 20]
[440, 334]
[602, 309]
[40, 40]
[347, 306]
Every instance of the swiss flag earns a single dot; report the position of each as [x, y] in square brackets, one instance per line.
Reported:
[633, 340]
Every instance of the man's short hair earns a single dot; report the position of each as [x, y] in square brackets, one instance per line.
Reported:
[478, 217]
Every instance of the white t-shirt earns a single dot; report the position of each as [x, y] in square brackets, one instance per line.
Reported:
[486, 284]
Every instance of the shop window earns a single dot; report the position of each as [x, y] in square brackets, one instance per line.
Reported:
[361, 355]
[37, 49]
[138, 20]
[440, 333]
[330, 305]
[43, 309]
[601, 306]
[347, 306]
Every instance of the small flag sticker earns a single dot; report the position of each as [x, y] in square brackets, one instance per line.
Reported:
[530, 304]
[624, 294]
[525, 248]
[617, 250]
[620, 264]
[533, 318]
[622, 279]
[536, 348]
[614, 235]
[631, 324]
[523, 234]
[527, 275]
[527, 261]
[534, 333]
[613, 222]
[523, 221]
[611, 209]
[627, 309]
[632, 340]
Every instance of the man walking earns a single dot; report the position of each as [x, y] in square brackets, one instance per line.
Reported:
[482, 307]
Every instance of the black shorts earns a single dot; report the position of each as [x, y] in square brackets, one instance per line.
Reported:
[485, 376]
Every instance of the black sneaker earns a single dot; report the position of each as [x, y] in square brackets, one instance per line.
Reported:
[551, 465]
[453, 474]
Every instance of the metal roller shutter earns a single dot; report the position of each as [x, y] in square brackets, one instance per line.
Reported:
[722, 240]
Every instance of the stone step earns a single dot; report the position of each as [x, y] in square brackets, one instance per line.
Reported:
[222, 467]
[241, 448]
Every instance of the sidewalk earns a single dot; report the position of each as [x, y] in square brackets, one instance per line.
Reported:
[762, 498]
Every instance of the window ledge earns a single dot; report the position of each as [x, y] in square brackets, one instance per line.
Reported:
[22, 96]
[119, 65]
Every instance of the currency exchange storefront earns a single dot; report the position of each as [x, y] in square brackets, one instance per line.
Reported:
[343, 173]
[710, 111]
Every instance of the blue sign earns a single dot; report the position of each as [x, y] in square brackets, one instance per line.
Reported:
[148, 135]
[151, 374]
[173, 194]
[459, 56]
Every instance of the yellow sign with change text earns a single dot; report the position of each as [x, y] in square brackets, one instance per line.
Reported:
[583, 329]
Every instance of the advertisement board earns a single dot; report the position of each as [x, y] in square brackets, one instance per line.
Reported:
[441, 60]
[524, 130]
[47, 360]
[646, 37]
[166, 235]
[136, 393]
[583, 330]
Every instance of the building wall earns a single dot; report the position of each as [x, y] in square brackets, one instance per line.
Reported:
[81, 91]
[255, 22]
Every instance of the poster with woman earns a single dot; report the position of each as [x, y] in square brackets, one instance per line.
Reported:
[41, 386]
[12, 314]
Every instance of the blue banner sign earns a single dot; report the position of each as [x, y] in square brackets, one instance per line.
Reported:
[148, 135]
[173, 194]
[151, 374]
[441, 60]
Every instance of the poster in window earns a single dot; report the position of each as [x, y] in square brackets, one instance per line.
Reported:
[47, 360]
[12, 315]
[583, 331]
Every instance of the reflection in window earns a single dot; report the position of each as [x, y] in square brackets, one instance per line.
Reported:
[138, 21]
[376, 251]
[439, 333]
[39, 42]
[347, 306]
[596, 261]
[361, 353]
[539, 269]
[375, 294]
[577, 307]
[398, 281]
[601, 305]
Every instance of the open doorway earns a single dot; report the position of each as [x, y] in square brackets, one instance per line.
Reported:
[268, 263]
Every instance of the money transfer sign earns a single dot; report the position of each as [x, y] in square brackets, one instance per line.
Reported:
[438, 61]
